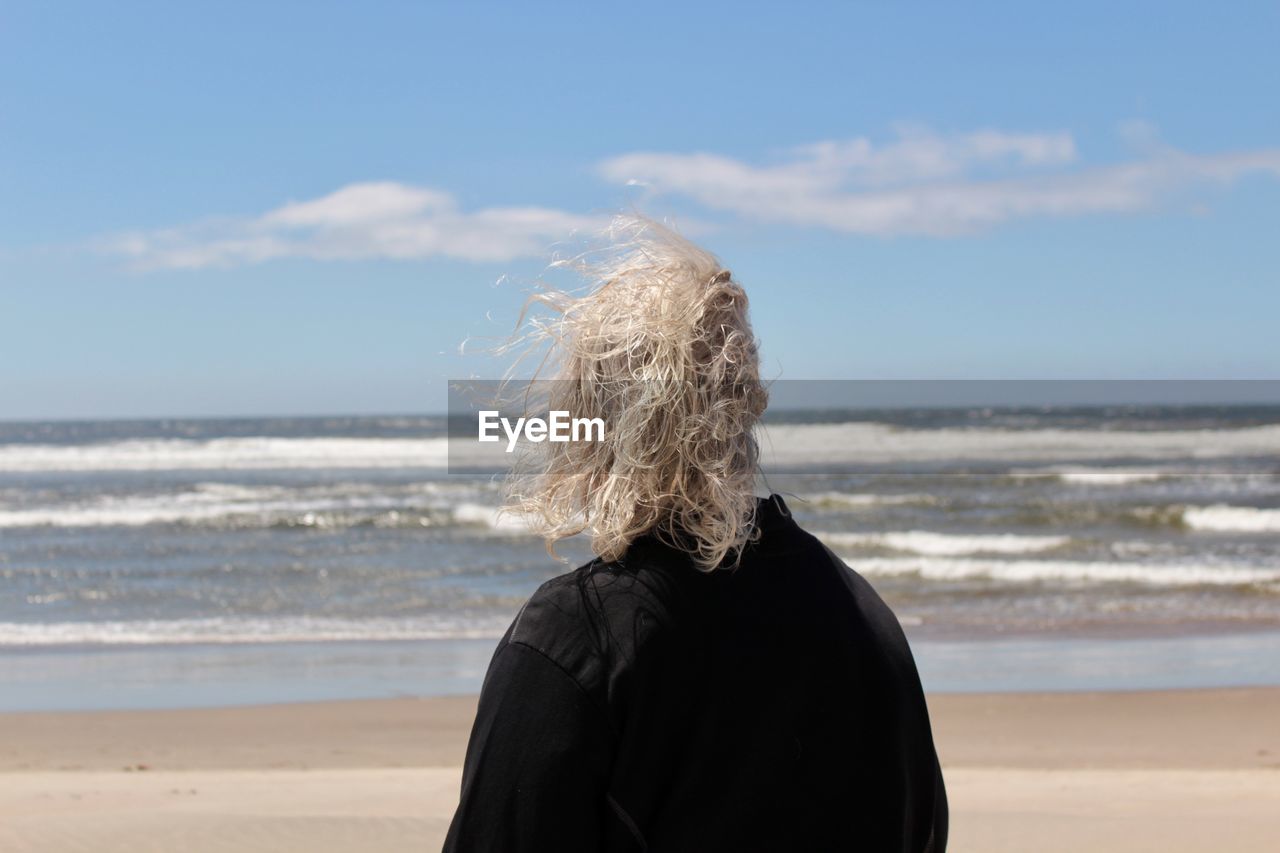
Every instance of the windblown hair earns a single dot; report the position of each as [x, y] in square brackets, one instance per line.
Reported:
[659, 346]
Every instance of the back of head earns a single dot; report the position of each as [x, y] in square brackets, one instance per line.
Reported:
[658, 346]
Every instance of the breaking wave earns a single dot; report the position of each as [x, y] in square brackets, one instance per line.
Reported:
[227, 454]
[298, 629]
[841, 500]
[1232, 519]
[1030, 571]
[226, 505]
[927, 543]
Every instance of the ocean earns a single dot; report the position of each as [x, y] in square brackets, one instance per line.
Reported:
[220, 561]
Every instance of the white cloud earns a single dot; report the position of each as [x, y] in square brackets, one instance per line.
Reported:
[356, 222]
[925, 183]
[921, 182]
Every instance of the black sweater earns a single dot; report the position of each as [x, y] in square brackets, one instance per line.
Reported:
[644, 705]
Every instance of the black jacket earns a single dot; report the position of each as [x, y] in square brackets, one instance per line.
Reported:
[644, 705]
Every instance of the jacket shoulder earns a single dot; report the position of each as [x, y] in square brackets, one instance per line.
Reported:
[595, 622]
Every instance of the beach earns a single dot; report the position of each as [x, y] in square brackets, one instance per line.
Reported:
[1178, 770]
[267, 634]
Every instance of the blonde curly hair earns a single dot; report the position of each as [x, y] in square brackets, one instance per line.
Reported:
[659, 346]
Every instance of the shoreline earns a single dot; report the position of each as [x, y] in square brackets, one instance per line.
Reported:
[1179, 770]
[129, 677]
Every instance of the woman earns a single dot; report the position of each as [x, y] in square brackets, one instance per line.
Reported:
[716, 679]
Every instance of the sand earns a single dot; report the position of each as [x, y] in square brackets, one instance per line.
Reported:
[1168, 771]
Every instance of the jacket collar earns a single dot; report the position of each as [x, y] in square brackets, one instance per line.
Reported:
[772, 514]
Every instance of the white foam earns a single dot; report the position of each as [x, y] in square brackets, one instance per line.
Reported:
[232, 631]
[1232, 519]
[491, 517]
[1029, 571]
[928, 543]
[860, 500]
[870, 443]
[227, 454]
[1086, 476]
[208, 502]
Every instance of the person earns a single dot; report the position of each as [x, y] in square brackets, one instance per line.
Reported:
[716, 679]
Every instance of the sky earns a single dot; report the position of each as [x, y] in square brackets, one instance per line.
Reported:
[305, 208]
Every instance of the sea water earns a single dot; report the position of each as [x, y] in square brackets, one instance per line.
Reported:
[195, 562]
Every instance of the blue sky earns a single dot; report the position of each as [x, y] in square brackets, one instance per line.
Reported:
[281, 208]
